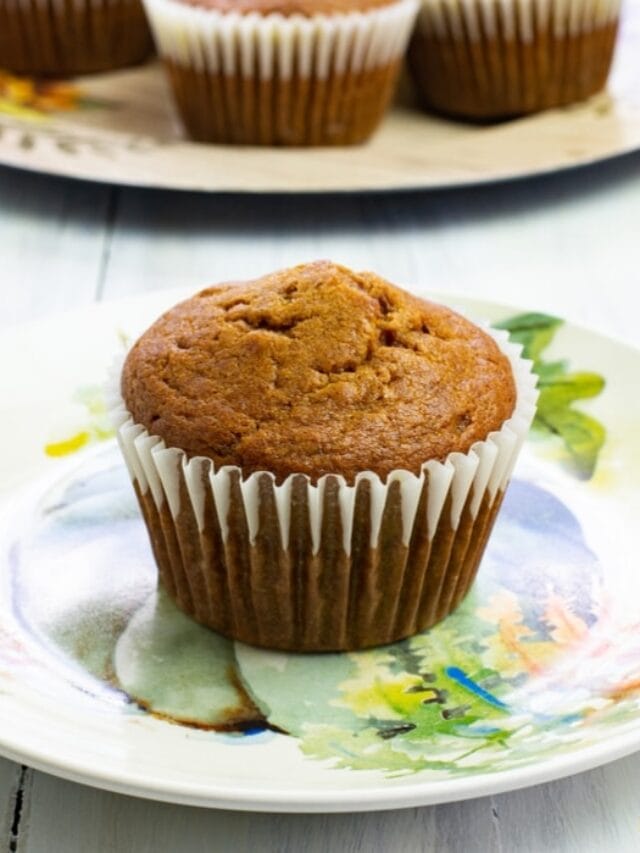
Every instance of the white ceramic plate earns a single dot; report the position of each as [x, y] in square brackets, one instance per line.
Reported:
[536, 676]
[122, 128]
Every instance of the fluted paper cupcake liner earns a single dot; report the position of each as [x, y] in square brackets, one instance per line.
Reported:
[484, 59]
[326, 566]
[69, 37]
[278, 80]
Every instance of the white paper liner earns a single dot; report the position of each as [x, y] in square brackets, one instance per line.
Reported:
[484, 469]
[234, 44]
[522, 19]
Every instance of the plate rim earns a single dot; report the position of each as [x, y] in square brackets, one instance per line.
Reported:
[374, 798]
[579, 165]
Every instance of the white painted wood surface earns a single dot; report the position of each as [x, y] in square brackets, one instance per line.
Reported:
[566, 244]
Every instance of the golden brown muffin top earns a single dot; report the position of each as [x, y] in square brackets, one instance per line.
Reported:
[317, 369]
[307, 8]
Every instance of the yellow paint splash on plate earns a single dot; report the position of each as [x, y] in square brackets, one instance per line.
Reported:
[28, 98]
[68, 446]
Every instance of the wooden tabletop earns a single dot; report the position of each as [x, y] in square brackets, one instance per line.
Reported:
[565, 244]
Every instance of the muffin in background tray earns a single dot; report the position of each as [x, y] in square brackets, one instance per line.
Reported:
[63, 39]
[282, 72]
[488, 60]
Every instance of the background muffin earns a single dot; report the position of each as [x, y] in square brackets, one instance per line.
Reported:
[282, 72]
[319, 456]
[57, 38]
[485, 60]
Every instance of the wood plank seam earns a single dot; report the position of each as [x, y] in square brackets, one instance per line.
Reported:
[495, 819]
[18, 809]
[109, 229]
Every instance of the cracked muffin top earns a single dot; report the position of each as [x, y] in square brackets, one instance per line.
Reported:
[317, 370]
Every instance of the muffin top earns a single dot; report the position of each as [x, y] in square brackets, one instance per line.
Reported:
[317, 369]
[306, 8]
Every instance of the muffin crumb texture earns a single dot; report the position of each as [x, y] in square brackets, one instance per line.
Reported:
[317, 370]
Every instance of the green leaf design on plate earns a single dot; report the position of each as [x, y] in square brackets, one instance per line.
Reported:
[96, 426]
[66, 146]
[27, 141]
[561, 390]
[534, 331]
[583, 436]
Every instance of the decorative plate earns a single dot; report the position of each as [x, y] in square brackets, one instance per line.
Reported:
[121, 128]
[102, 680]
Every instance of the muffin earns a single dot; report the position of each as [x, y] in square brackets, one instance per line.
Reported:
[319, 456]
[65, 39]
[483, 60]
[282, 72]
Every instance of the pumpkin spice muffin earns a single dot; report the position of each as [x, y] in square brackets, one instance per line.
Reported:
[484, 60]
[282, 72]
[319, 456]
[63, 39]
[338, 373]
